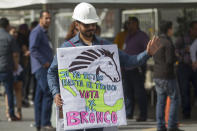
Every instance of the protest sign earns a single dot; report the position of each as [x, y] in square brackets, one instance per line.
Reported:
[91, 87]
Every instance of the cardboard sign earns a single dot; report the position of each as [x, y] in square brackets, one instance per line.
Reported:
[91, 87]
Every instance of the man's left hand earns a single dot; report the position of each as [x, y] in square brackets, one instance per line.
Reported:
[46, 65]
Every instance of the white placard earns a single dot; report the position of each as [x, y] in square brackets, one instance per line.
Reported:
[91, 87]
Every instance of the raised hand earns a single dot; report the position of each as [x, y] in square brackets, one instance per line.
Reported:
[153, 46]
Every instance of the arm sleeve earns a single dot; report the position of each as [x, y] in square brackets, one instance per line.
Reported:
[129, 61]
[52, 77]
[35, 40]
[169, 53]
[193, 50]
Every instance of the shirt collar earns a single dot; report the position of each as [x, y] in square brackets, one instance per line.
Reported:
[135, 33]
[96, 40]
[44, 30]
[76, 38]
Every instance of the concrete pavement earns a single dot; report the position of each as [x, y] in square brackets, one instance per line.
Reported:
[150, 125]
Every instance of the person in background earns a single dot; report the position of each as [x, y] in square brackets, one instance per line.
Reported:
[165, 81]
[86, 26]
[41, 58]
[7, 49]
[18, 78]
[193, 52]
[135, 43]
[184, 66]
[33, 25]
[23, 40]
[121, 36]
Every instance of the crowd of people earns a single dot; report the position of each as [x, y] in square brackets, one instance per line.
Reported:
[26, 56]
[174, 72]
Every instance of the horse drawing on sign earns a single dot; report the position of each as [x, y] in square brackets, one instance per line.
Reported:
[100, 61]
[103, 60]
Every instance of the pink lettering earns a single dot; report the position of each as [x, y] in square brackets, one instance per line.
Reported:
[71, 118]
[114, 117]
[83, 117]
[105, 117]
[76, 118]
[82, 94]
[96, 95]
[87, 94]
[91, 93]
[99, 116]
[92, 118]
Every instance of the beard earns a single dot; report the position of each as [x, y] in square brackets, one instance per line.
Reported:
[89, 33]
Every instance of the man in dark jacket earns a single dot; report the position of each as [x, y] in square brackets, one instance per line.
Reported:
[7, 47]
[164, 78]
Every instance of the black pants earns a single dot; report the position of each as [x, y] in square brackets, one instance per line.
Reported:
[134, 88]
[187, 78]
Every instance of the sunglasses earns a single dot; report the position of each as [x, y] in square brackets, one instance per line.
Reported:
[88, 25]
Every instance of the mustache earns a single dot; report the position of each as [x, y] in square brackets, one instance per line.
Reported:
[90, 30]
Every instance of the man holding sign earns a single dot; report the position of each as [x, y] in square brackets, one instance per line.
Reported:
[86, 18]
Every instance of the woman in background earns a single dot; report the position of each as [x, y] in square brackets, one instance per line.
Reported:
[17, 73]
